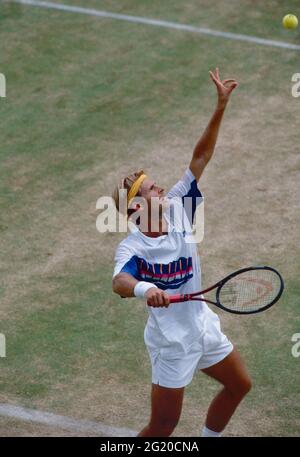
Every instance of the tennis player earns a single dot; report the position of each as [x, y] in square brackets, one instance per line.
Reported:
[181, 338]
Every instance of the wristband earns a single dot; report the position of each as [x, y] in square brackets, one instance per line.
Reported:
[141, 288]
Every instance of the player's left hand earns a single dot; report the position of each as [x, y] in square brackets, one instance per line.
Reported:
[224, 88]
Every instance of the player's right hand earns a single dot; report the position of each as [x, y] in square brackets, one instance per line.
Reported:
[157, 298]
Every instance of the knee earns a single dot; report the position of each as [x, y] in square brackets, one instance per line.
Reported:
[243, 386]
[247, 385]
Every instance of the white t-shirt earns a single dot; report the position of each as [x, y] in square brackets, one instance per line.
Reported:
[173, 265]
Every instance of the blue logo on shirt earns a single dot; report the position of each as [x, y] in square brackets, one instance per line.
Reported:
[166, 276]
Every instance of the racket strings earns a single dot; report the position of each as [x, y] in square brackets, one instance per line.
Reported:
[250, 290]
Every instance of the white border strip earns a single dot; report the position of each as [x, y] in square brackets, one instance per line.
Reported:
[67, 423]
[159, 23]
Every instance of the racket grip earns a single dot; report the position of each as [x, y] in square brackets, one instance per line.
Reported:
[178, 298]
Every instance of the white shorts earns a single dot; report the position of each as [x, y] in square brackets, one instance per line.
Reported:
[176, 370]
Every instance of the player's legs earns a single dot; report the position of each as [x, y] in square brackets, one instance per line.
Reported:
[166, 406]
[232, 373]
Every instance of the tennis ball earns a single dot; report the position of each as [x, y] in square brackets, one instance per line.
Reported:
[290, 21]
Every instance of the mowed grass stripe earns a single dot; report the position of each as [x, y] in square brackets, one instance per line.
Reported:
[160, 23]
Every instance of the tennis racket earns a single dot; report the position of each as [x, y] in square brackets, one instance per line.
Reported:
[246, 291]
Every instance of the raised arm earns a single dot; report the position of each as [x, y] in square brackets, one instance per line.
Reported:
[205, 147]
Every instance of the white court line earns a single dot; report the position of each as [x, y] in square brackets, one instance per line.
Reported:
[67, 423]
[160, 23]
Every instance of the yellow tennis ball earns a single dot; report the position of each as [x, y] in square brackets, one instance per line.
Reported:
[290, 21]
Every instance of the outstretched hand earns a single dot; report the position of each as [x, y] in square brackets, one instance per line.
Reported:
[224, 88]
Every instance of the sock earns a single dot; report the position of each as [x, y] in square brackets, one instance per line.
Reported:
[206, 432]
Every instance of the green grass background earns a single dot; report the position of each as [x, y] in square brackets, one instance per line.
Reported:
[86, 96]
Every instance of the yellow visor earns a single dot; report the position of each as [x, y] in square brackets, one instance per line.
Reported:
[135, 187]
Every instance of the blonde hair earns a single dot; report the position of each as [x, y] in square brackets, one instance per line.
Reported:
[126, 183]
